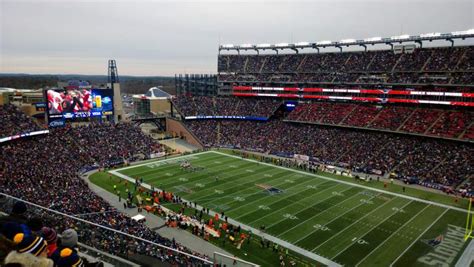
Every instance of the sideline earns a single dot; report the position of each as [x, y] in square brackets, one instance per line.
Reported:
[275, 239]
[254, 231]
[349, 183]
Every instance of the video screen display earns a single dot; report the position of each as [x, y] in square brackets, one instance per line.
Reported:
[71, 103]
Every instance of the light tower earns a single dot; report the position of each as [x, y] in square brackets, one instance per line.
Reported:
[113, 73]
[114, 83]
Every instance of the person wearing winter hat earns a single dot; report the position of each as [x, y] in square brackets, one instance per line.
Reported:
[69, 238]
[26, 260]
[35, 224]
[19, 208]
[67, 257]
[33, 244]
[10, 229]
[16, 215]
[51, 238]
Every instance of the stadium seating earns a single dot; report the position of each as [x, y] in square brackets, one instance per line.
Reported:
[222, 106]
[367, 151]
[44, 170]
[428, 121]
[13, 121]
[421, 120]
[440, 65]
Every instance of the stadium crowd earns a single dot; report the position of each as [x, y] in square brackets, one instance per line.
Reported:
[438, 162]
[428, 121]
[46, 171]
[440, 65]
[223, 106]
[15, 122]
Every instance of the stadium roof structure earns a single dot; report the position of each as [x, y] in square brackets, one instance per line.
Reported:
[450, 37]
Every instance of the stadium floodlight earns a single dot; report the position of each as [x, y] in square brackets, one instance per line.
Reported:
[345, 41]
[263, 45]
[324, 42]
[302, 44]
[373, 39]
[401, 37]
[281, 45]
[431, 34]
[228, 46]
[470, 31]
[246, 45]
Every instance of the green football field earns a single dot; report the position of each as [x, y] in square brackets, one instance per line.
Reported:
[347, 223]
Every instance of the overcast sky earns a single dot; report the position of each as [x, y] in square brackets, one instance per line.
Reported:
[168, 37]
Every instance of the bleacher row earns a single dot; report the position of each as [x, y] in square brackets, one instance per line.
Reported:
[219, 106]
[14, 122]
[458, 124]
[427, 121]
[46, 170]
[422, 160]
[442, 65]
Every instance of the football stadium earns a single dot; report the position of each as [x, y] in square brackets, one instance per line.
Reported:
[352, 152]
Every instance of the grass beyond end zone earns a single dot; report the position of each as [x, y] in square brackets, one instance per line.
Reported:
[351, 225]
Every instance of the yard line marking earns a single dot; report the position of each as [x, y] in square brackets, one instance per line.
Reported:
[230, 187]
[280, 242]
[164, 166]
[370, 230]
[295, 185]
[293, 203]
[356, 221]
[312, 205]
[325, 224]
[394, 232]
[248, 188]
[417, 238]
[203, 177]
[352, 184]
[163, 160]
[319, 212]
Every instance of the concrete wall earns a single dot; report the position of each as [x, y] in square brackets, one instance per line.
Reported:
[160, 106]
[118, 107]
[174, 127]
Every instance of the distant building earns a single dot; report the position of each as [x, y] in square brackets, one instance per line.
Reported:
[196, 84]
[154, 102]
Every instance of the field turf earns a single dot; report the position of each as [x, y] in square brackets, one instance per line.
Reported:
[350, 225]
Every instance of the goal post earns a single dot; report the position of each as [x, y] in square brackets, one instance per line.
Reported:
[231, 261]
[469, 221]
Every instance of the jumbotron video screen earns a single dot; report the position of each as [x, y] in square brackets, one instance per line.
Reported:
[72, 103]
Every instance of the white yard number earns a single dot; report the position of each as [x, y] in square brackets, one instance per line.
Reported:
[320, 227]
[182, 179]
[398, 210]
[199, 185]
[311, 187]
[239, 199]
[337, 193]
[263, 207]
[366, 201]
[220, 192]
[289, 181]
[290, 216]
[268, 175]
[360, 241]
